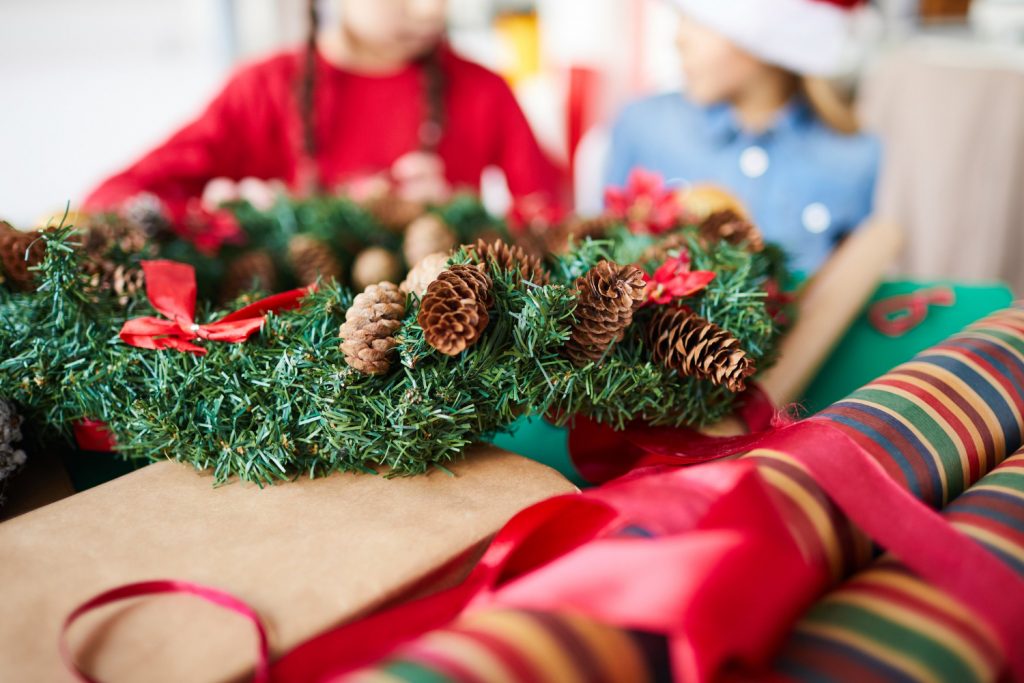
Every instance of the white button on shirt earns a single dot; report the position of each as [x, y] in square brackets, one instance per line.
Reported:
[816, 218]
[754, 162]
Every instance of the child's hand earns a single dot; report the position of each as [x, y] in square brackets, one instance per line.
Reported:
[419, 177]
[260, 193]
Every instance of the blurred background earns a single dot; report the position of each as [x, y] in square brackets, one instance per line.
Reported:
[88, 86]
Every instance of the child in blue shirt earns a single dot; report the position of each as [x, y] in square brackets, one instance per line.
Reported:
[756, 121]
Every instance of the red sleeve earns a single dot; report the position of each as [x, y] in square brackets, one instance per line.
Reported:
[527, 168]
[213, 145]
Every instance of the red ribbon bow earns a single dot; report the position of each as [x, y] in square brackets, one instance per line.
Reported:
[171, 288]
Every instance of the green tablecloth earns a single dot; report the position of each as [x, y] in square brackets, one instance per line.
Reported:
[862, 355]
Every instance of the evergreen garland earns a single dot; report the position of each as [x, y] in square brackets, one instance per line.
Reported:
[286, 403]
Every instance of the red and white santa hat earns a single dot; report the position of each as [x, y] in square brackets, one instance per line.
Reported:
[810, 37]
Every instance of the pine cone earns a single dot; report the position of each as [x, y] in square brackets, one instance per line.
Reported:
[423, 273]
[555, 240]
[147, 213]
[393, 212]
[453, 313]
[252, 270]
[426, 235]
[312, 259]
[694, 347]
[102, 236]
[12, 457]
[508, 259]
[125, 282]
[14, 245]
[608, 296]
[659, 251]
[373, 265]
[367, 334]
[730, 226]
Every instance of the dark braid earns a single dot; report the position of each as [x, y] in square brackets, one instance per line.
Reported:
[433, 87]
[307, 91]
[431, 129]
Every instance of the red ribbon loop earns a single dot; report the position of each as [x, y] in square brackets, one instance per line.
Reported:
[894, 316]
[171, 288]
[261, 674]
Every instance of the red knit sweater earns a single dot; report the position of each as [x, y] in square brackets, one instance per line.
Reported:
[363, 124]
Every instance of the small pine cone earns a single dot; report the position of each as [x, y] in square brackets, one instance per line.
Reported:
[510, 259]
[147, 213]
[104, 235]
[373, 265]
[312, 259]
[555, 240]
[423, 273]
[694, 347]
[660, 250]
[608, 296]
[393, 212]
[126, 283]
[252, 270]
[19, 252]
[453, 313]
[426, 235]
[730, 226]
[367, 334]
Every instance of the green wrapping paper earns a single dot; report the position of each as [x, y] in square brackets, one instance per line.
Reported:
[936, 425]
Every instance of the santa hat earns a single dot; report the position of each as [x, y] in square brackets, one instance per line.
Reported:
[810, 37]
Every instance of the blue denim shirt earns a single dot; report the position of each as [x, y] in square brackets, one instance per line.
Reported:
[806, 186]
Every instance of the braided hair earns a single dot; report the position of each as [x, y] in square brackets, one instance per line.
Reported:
[431, 129]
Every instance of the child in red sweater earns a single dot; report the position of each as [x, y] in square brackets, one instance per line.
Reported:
[382, 92]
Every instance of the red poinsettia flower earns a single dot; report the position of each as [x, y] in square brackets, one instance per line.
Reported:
[210, 230]
[645, 203]
[674, 280]
[534, 213]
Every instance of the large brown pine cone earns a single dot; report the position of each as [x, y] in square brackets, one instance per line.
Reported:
[426, 235]
[730, 226]
[19, 252]
[694, 347]
[453, 313]
[509, 259]
[253, 270]
[312, 259]
[608, 296]
[367, 334]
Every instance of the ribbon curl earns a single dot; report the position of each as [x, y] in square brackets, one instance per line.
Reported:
[171, 288]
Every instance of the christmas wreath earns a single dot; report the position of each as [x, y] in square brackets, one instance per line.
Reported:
[646, 317]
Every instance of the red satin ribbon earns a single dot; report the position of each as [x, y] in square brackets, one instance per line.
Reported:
[93, 435]
[601, 453]
[691, 587]
[261, 673]
[896, 315]
[171, 288]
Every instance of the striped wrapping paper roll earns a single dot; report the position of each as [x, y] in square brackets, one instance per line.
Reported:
[524, 646]
[886, 624]
[936, 424]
